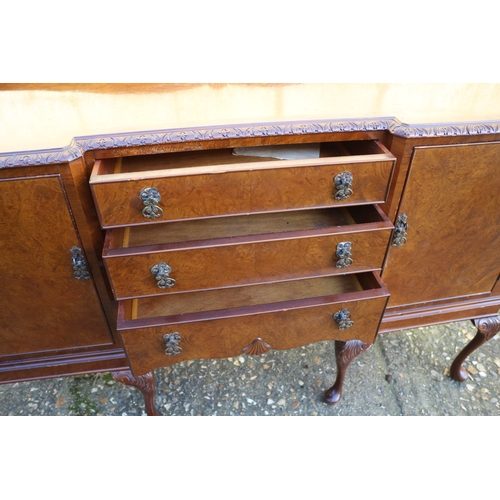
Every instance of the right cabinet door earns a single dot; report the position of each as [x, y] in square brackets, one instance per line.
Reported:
[452, 204]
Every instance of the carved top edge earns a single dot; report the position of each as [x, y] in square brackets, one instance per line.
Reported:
[79, 145]
[443, 129]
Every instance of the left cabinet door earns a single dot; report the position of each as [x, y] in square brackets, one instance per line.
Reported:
[43, 306]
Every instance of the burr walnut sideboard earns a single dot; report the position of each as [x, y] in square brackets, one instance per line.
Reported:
[130, 252]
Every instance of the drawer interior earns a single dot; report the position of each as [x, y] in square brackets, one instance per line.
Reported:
[249, 299]
[229, 156]
[331, 219]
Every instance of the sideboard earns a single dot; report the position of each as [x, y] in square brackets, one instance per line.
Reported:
[129, 252]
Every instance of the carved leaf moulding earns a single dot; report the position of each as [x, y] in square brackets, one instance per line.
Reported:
[79, 145]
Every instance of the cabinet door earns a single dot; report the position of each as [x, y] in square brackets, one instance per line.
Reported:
[452, 201]
[43, 307]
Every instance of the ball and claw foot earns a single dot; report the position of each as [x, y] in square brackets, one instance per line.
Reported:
[345, 352]
[487, 328]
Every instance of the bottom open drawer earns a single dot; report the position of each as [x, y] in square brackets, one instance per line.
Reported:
[160, 331]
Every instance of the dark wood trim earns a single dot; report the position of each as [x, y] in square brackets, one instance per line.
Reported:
[62, 365]
[425, 314]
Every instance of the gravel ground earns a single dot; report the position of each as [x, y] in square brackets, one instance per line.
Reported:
[404, 373]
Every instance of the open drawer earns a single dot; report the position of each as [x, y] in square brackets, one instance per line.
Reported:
[193, 255]
[160, 331]
[199, 184]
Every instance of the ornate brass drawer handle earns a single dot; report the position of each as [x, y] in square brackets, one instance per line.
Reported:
[151, 197]
[172, 341]
[342, 317]
[343, 184]
[161, 272]
[399, 236]
[80, 269]
[344, 254]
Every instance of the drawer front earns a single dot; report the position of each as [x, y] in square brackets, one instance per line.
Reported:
[232, 336]
[185, 195]
[240, 264]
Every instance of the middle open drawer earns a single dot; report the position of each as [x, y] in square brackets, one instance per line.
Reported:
[243, 250]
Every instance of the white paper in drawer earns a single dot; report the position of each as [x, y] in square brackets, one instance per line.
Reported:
[284, 152]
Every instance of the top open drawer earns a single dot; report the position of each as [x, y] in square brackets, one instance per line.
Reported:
[212, 183]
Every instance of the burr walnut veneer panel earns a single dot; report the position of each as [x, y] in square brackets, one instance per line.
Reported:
[452, 201]
[43, 306]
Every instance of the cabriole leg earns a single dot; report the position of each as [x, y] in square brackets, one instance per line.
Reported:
[345, 352]
[145, 383]
[487, 328]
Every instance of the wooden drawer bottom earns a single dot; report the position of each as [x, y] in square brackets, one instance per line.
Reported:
[301, 313]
